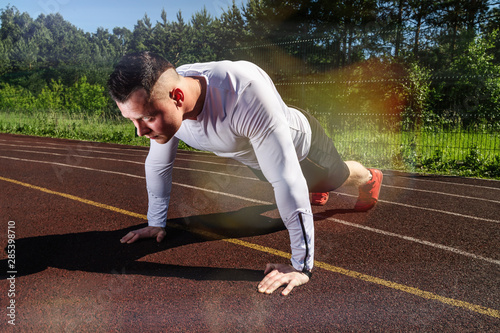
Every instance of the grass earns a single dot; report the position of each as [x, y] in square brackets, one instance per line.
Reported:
[112, 129]
[77, 126]
[461, 153]
[448, 152]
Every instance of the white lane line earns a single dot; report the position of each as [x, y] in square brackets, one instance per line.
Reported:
[224, 194]
[72, 166]
[379, 231]
[340, 193]
[210, 155]
[441, 193]
[77, 156]
[428, 209]
[140, 177]
[243, 177]
[72, 149]
[134, 162]
[243, 166]
[90, 144]
[71, 152]
[442, 211]
[450, 183]
[412, 239]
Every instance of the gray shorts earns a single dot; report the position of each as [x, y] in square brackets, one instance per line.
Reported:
[323, 168]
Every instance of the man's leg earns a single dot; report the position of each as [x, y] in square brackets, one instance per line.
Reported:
[325, 171]
[358, 174]
[368, 182]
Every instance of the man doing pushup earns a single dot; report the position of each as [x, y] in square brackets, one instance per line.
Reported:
[234, 110]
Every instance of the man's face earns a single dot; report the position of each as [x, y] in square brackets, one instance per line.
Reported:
[158, 119]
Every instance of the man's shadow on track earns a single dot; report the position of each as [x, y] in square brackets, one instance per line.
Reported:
[102, 252]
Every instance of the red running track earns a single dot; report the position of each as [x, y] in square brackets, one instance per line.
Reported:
[425, 259]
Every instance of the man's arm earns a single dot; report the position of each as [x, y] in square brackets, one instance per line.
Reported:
[267, 128]
[158, 166]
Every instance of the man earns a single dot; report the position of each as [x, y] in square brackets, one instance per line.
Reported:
[234, 110]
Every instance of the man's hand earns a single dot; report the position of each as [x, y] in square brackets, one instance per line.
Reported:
[278, 275]
[147, 232]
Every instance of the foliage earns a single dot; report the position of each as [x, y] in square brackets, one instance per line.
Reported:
[435, 64]
[473, 165]
[479, 75]
[416, 91]
[15, 98]
[82, 97]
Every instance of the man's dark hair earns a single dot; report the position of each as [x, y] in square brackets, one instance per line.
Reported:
[135, 71]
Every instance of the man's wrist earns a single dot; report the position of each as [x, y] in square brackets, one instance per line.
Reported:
[307, 272]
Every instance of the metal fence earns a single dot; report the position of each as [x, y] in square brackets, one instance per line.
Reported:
[389, 141]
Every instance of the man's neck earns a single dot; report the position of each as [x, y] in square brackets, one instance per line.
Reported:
[199, 91]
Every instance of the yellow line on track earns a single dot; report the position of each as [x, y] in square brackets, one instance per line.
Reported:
[72, 197]
[356, 275]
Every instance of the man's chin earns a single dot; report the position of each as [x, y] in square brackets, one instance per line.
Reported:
[160, 139]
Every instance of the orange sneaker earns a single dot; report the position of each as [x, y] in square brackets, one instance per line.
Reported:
[368, 193]
[319, 199]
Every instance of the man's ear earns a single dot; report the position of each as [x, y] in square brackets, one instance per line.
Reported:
[177, 95]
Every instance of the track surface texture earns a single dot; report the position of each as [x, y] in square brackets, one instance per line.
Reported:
[426, 258]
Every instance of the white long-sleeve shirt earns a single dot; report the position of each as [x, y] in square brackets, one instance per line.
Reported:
[243, 118]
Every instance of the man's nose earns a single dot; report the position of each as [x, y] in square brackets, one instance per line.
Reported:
[142, 129]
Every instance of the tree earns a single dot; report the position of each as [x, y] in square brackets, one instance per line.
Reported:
[121, 40]
[231, 31]
[420, 14]
[489, 27]
[162, 36]
[4, 58]
[258, 22]
[459, 21]
[10, 32]
[203, 37]
[180, 41]
[104, 49]
[42, 38]
[25, 54]
[479, 80]
[142, 35]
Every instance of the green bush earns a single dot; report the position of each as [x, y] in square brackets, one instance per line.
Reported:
[81, 97]
[85, 97]
[15, 98]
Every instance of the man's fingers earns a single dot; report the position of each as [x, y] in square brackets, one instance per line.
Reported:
[160, 236]
[271, 282]
[127, 237]
[136, 237]
[289, 288]
[269, 273]
[269, 287]
[132, 237]
[154, 232]
[278, 275]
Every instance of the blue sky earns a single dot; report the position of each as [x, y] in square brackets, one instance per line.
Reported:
[91, 14]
